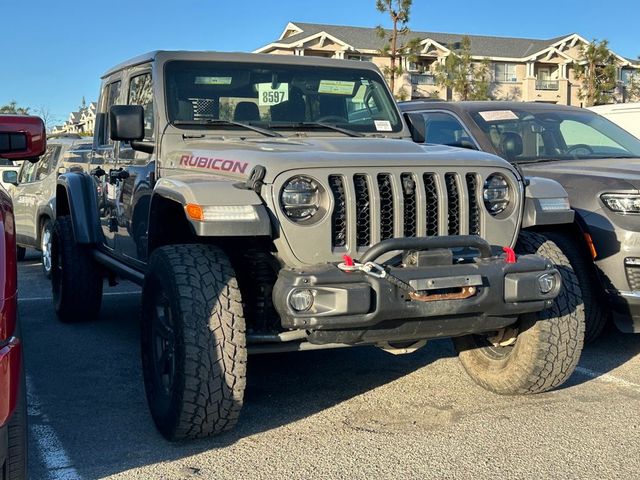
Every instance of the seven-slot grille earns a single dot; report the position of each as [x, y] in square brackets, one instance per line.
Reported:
[407, 204]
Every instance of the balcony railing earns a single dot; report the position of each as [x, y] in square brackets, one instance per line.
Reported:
[423, 79]
[547, 85]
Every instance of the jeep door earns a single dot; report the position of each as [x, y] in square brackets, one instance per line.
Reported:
[32, 192]
[136, 184]
[103, 160]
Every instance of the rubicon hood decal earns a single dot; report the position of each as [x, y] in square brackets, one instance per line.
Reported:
[212, 163]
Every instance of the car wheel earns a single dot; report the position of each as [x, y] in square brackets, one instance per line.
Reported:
[595, 315]
[193, 341]
[76, 278]
[541, 350]
[45, 247]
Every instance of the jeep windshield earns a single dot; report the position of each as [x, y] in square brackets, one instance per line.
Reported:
[523, 136]
[348, 101]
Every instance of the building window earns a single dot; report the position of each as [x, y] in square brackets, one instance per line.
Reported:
[423, 79]
[361, 58]
[505, 72]
[628, 76]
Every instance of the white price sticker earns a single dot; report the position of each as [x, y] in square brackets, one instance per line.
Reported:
[267, 95]
[498, 115]
[383, 125]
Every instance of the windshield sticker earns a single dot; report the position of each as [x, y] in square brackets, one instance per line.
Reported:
[498, 115]
[383, 125]
[213, 80]
[268, 96]
[213, 163]
[336, 87]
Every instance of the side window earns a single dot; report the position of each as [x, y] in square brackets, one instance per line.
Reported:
[27, 172]
[109, 97]
[141, 93]
[46, 163]
[444, 129]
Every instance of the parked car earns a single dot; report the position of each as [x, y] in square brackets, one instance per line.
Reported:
[21, 137]
[266, 203]
[595, 160]
[625, 115]
[33, 191]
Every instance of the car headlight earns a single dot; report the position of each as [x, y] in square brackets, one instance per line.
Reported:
[300, 198]
[496, 193]
[622, 202]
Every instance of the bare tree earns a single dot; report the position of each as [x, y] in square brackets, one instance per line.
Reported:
[397, 45]
[49, 119]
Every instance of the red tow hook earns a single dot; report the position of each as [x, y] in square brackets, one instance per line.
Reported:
[348, 261]
[511, 255]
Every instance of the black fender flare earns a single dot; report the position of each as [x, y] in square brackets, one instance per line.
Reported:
[76, 197]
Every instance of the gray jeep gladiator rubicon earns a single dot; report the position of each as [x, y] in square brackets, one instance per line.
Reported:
[272, 203]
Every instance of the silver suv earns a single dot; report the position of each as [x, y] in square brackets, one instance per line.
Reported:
[274, 203]
[33, 191]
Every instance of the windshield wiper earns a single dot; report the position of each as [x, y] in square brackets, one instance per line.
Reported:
[540, 160]
[326, 126]
[211, 122]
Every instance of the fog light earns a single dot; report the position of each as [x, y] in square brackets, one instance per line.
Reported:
[301, 300]
[546, 282]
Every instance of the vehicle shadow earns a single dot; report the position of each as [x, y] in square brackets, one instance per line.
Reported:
[87, 381]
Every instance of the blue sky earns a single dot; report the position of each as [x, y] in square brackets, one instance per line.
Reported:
[53, 53]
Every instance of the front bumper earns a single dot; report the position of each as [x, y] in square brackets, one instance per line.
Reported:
[357, 308]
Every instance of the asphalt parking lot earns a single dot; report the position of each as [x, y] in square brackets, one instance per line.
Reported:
[351, 413]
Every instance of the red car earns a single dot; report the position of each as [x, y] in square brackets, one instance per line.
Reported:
[21, 138]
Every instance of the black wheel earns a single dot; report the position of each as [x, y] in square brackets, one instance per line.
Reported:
[45, 246]
[541, 350]
[21, 252]
[15, 465]
[193, 341]
[76, 279]
[596, 317]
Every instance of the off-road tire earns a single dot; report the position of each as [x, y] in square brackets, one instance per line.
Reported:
[193, 290]
[76, 278]
[15, 465]
[47, 226]
[548, 344]
[21, 252]
[596, 317]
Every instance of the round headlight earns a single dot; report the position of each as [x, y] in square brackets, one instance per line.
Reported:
[496, 194]
[300, 198]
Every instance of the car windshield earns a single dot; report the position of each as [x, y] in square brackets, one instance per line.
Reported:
[528, 136]
[284, 97]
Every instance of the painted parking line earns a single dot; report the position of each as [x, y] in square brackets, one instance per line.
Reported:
[50, 449]
[108, 294]
[608, 378]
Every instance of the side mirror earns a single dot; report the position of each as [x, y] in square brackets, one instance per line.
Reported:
[10, 177]
[126, 122]
[417, 126]
[22, 137]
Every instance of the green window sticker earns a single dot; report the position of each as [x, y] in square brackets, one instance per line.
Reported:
[336, 87]
[213, 80]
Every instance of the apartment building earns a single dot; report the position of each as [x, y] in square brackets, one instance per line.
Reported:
[522, 69]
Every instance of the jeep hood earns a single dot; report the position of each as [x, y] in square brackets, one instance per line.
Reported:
[607, 171]
[236, 157]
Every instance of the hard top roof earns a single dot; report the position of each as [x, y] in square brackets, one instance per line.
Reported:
[164, 55]
[480, 106]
